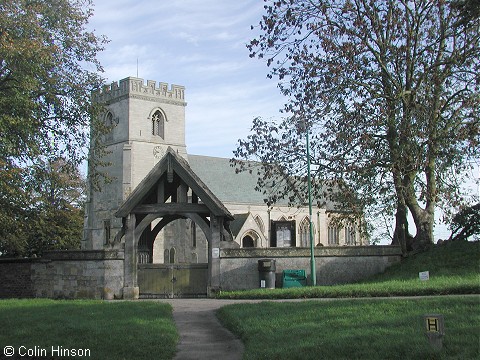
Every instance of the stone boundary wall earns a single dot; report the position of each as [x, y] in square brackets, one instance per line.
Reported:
[92, 274]
[99, 274]
[334, 265]
[15, 278]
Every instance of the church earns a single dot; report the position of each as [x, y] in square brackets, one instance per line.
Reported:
[147, 119]
[171, 224]
[182, 224]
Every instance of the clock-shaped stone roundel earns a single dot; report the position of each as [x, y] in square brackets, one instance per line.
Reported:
[158, 151]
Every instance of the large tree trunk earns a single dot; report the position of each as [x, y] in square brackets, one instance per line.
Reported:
[401, 235]
[424, 238]
[423, 218]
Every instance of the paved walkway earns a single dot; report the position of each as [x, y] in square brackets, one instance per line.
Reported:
[202, 337]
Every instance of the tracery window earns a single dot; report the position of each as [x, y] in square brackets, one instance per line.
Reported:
[260, 223]
[305, 232]
[350, 234]
[158, 124]
[333, 235]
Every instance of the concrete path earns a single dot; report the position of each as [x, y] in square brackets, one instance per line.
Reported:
[201, 334]
[202, 337]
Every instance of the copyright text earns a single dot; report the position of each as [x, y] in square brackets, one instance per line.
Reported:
[37, 351]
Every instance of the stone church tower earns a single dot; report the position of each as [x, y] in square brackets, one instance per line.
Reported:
[145, 120]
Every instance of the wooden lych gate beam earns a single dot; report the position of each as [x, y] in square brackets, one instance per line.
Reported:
[164, 193]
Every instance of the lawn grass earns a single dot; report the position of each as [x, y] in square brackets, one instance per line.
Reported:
[368, 328]
[346, 329]
[355, 329]
[110, 330]
[454, 269]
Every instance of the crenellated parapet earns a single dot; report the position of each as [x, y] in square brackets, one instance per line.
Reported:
[135, 87]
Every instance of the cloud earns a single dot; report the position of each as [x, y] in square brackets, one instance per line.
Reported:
[197, 44]
[224, 113]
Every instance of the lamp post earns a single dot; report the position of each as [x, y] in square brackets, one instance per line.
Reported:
[309, 181]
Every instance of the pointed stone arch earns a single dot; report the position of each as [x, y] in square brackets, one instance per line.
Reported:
[260, 223]
[158, 120]
[164, 193]
[304, 231]
[250, 239]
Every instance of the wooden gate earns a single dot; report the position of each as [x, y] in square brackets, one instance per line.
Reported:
[172, 280]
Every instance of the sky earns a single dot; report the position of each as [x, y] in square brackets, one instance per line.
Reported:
[202, 46]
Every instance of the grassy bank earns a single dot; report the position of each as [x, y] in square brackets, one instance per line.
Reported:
[118, 330]
[453, 267]
[354, 329]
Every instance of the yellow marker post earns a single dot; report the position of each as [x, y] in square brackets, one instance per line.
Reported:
[434, 329]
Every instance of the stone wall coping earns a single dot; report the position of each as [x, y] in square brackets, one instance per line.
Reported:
[324, 251]
[17, 260]
[105, 254]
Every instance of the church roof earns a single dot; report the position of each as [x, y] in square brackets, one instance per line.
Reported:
[231, 187]
[224, 182]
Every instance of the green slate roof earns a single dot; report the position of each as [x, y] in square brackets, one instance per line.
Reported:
[229, 186]
[222, 180]
[238, 222]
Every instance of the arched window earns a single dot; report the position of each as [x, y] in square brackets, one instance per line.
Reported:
[248, 242]
[172, 256]
[260, 223]
[109, 119]
[350, 234]
[158, 124]
[305, 232]
[109, 124]
[333, 235]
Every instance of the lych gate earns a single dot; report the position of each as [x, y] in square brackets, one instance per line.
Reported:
[172, 191]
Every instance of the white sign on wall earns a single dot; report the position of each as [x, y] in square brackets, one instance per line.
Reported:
[215, 253]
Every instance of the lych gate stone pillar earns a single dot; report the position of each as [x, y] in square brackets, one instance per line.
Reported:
[216, 228]
[130, 289]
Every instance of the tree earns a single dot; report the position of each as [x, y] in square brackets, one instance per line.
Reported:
[52, 219]
[469, 10]
[13, 210]
[466, 223]
[48, 69]
[56, 221]
[389, 91]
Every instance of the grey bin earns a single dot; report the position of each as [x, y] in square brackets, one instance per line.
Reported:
[266, 273]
